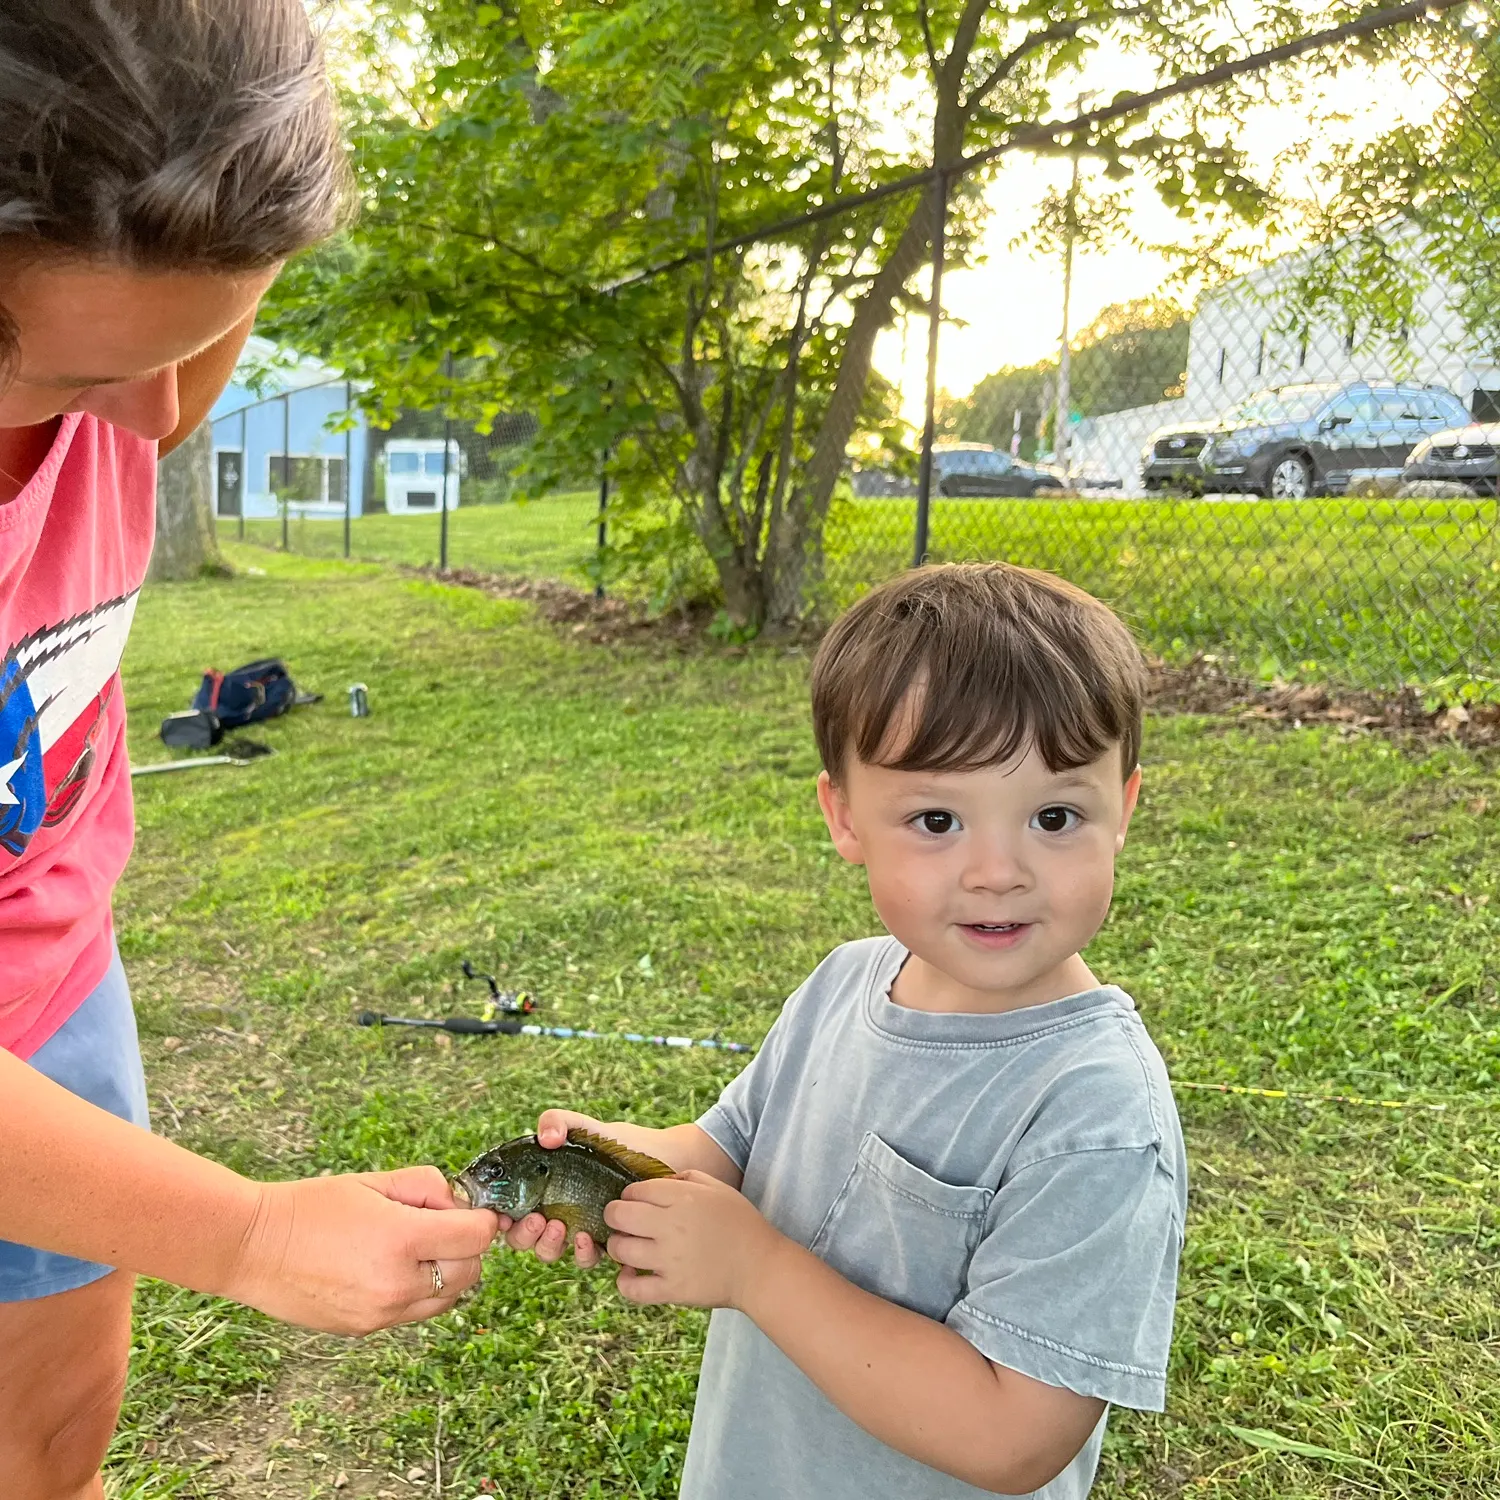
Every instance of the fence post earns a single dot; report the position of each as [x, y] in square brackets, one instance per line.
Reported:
[244, 472]
[447, 438]
[603, 508]
[348, 453]
[934, 321]
[286, 465]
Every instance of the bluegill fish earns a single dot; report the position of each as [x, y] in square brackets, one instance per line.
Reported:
[571, 1183]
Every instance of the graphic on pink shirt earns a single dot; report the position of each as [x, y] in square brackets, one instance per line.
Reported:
[74, 545]
[54, 689]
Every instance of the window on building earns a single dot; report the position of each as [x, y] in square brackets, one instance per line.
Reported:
[403, 463]
[305, 479]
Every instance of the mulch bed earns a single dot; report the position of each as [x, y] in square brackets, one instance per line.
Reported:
[1200, 686]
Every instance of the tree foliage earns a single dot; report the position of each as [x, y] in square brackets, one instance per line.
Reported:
[532, 158]
[1132, 354]
[1388, 228]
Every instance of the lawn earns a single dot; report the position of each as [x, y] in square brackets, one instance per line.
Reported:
[1371, 593]
[630, 833]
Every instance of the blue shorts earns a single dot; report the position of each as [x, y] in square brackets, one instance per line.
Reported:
[95, 1055]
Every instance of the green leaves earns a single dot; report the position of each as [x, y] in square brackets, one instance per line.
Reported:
[541, 155]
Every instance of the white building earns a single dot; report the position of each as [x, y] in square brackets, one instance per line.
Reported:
[1245, 338]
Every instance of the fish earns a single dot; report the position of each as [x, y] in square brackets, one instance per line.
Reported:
[571, 1182]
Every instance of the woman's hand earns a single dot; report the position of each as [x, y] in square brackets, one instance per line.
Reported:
[353, 1254]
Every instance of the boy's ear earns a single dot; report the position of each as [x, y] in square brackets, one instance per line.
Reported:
[1132, 796]
[836, 815]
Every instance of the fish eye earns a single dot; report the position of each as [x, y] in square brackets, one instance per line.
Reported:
[544, 1169]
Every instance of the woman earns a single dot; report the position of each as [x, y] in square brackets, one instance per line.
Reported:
[158, 163]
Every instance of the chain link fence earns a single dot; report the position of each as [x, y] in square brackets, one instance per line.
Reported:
[1296, 475]
[1316, 503]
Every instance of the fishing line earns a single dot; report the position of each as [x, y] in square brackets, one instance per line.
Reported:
[472, 1026]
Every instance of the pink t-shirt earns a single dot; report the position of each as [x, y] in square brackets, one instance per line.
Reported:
[74, 545]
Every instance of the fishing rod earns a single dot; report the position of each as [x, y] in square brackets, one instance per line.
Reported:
[473, 1026]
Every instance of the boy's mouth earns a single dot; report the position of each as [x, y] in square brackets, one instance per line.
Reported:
[996, 934]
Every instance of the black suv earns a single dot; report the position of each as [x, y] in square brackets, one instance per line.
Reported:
[1300, 440]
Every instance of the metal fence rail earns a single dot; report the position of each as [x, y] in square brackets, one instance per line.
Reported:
[1288, 475]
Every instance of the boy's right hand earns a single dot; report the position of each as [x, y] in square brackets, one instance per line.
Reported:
[355, 1253]
[548, 1239]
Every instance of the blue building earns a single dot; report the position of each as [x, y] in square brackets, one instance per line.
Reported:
[277, 445]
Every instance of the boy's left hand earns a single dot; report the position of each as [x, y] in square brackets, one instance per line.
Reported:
[702, 1242]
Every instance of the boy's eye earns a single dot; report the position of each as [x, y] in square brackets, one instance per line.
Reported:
[936, 822]
[1055, 819]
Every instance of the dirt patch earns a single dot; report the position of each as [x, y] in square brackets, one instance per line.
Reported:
[1201, 686]
[264, 1445]
[600, 621]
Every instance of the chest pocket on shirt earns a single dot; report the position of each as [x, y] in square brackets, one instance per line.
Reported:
[900, 1233]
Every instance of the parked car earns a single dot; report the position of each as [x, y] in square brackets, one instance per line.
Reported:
[1170, 457]
[1297, 440]
[1300, 440]
[977, 469]
[1462, 455]
[1092, 475]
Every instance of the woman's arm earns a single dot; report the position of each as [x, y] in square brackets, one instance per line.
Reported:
[201, 380]
[344, 1254]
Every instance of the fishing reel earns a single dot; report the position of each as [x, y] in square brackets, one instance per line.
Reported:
[501, 1002]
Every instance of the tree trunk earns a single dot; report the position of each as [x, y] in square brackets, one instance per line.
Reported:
[795, 556]
[186, 542]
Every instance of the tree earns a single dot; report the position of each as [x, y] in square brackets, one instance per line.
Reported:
[542, 153]
[1384, 224]
[1132, 354]
[186, 543]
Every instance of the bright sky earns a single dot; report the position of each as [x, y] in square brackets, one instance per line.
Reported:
[1008, 310]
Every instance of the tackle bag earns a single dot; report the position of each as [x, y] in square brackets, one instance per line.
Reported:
[247, 695]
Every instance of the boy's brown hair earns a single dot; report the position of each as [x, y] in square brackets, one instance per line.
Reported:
[991, 658]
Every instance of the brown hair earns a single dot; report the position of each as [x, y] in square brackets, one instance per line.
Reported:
[990, 658]
[164, 134]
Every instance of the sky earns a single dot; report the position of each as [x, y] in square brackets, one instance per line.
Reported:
[1008, 310]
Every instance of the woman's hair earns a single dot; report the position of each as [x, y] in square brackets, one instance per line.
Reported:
[193, 135]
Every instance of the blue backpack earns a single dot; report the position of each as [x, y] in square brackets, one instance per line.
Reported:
[247, 695]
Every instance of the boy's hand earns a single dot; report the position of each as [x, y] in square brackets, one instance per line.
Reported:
[549, 1238]
[703, 1243]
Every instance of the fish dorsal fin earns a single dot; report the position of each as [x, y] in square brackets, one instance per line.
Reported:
[637, 1163]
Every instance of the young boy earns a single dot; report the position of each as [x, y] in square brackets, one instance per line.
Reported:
[961, 1181]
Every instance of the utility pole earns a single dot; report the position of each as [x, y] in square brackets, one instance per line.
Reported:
[1062, 434]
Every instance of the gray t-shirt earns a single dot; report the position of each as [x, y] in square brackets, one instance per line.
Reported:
[1019, 1177]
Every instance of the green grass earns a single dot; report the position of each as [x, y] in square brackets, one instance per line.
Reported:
[554, 537]
[1372, 593]
[631, 834]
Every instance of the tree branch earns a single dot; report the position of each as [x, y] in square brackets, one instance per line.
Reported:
[932, 57]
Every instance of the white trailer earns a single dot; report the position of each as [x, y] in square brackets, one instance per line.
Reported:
[414, 474]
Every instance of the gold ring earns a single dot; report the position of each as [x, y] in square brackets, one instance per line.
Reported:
[437, 1280]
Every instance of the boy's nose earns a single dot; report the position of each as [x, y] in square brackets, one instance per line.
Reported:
[146, 407]
[994, 867]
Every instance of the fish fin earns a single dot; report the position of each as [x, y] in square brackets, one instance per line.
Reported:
[635, 1162]
[571, 1215]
